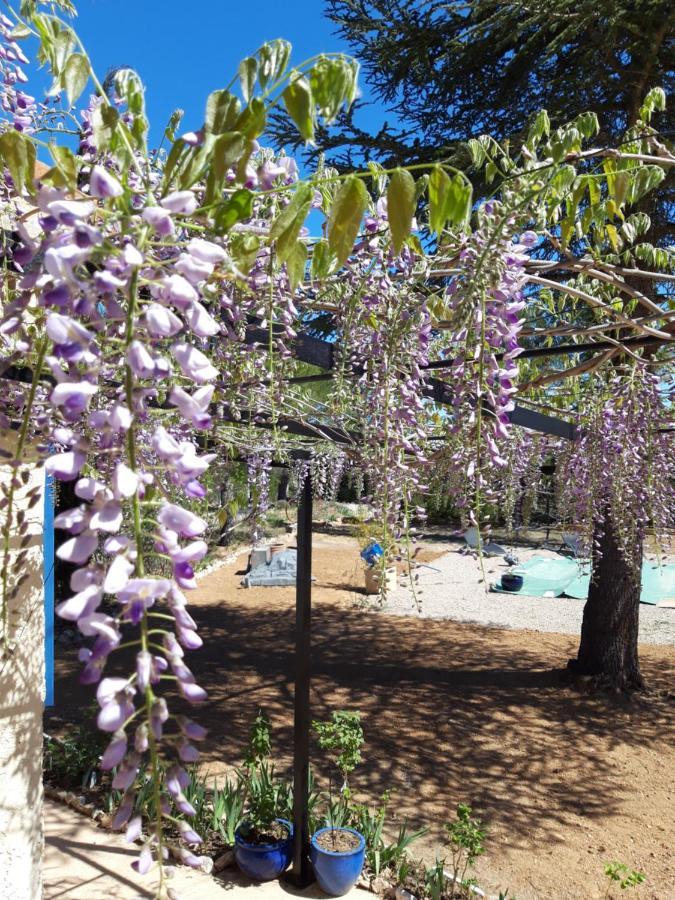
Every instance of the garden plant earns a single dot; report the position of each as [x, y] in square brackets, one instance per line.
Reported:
[342, 737]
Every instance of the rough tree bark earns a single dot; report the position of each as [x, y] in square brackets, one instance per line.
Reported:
[608, 650]
[282, 490]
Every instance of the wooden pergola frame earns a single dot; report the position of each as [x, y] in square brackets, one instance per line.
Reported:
[323, 354]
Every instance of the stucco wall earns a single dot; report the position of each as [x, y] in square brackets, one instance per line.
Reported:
[21, 704]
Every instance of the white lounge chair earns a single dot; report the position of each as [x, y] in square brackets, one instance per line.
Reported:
[489, 549]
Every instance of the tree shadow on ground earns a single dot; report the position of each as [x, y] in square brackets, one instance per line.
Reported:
[451, 713]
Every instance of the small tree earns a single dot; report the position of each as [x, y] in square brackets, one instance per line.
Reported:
[266, 798]
[465, 837]
[342, 736]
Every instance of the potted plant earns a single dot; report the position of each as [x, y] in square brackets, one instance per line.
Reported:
[263, 841]
[337, 851]
[512, 581]
[380, 576]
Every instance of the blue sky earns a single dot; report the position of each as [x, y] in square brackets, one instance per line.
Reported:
[184, 50]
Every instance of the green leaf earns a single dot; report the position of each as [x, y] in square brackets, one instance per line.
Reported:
[238, 208]
[400, 206]
[173, 123]
[227, 150]
[296, 260]
[588, 124]
[439, 192]
[222, 111]
[18, 154]
[66, 163]
[613, 210]
[248, 69]
[195, 162]
[449, 199]
[62, 46]
[421, 186]
[273, 57]
[299, 105]
[287, 225]
[415, 244]
[129, 87]
[613, 236]
[540, 127]
[19, 32]
[566, 230]
[655, 100]
[103, 122]
[174, 162]
[322, 260]
[332, 84]
[593, 190]
[477, 151]
[628, 231]
[643, 181]
[75, 76]
[459, 201]
[344, 219]
[586, 220]
[244, 250]
[241, 174]
[252, 119]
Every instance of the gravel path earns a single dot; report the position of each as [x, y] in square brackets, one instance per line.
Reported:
[452, 590]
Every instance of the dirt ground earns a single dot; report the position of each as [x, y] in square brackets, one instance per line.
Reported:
[566, 781]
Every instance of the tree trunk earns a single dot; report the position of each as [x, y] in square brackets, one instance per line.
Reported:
[226, 497]
[609, 634]
[282, 490]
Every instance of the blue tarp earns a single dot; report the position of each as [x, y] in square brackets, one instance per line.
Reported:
[555, 576]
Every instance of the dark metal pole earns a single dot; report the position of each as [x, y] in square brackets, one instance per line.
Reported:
[301, 874]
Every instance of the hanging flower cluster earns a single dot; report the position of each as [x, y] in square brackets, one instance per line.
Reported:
[19, 106]
[258, 470]
[518, 482]
[385, 335]
[113, 308]
[134, 314]
[617, 464]
[485, 302]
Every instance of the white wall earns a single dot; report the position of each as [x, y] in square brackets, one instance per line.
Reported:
[21, 704]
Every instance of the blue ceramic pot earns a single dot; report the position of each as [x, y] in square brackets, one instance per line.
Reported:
[511, 582]
[337, 871]
[264, 862]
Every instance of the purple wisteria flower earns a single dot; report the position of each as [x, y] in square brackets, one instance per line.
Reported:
[193, 407]
[139, 594]
[160, 219]
[114, 696]
[182, 521]
[182, 202]
[193, 363]
[104, 184]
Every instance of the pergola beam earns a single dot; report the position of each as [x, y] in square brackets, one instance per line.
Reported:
[322, 354]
